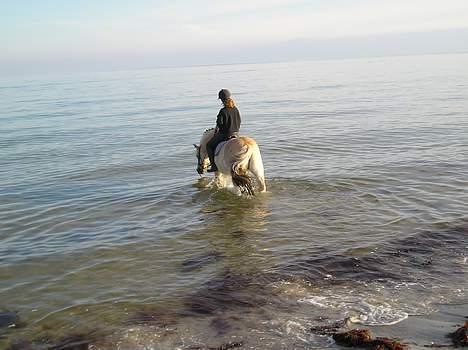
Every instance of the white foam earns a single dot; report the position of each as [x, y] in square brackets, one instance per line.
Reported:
[377, 315]
[319, 301]
[359, 307]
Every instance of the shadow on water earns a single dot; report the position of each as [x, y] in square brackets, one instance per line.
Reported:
[422, 256]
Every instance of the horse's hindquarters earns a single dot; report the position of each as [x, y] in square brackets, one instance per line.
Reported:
[236, 158]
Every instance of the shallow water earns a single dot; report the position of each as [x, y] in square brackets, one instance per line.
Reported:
[106, 227]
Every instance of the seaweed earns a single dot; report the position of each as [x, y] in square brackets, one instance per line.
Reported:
[460, 336]
[355, 337]
[226, 346]
[363, 338]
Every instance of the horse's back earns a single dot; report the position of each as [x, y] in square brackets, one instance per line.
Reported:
[247, 141]
[239, 145]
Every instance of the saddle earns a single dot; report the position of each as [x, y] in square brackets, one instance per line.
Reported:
[222, 143]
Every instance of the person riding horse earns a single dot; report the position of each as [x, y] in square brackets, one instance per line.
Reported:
[227, 125]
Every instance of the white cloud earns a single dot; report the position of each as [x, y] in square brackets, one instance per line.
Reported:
[212, 23]
[185, 25]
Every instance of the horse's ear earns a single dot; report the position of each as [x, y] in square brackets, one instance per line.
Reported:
[196, 146]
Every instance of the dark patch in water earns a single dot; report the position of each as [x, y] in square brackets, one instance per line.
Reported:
[154, 317]
[73, 342]
[238, 234]
[201, 261]
[222, 324]
[8, 319]
[344, 268]
[419, 257]
[70, 342]
[21, 345]
[228, 292]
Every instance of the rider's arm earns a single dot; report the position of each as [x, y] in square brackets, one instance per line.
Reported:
[220, 120]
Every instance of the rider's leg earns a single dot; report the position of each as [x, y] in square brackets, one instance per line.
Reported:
[210, 149]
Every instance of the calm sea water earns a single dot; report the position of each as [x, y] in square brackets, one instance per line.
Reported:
[105, 226]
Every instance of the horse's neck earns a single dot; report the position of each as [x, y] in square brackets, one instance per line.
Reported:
[207, 136]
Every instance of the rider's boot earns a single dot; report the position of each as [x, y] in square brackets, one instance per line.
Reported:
[212, 169]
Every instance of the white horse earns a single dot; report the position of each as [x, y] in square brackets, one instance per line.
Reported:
[234, 159]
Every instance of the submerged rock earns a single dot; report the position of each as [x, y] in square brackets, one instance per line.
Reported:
[460, 336]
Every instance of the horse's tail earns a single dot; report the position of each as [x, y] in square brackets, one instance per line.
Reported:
[241, 165]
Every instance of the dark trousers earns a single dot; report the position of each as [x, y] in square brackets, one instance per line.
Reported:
[211, 146]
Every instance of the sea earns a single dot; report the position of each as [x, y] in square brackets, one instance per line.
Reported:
[109, 239]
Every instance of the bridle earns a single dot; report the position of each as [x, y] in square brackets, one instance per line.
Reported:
[200, 167]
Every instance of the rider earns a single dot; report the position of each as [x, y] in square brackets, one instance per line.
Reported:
[227, 125]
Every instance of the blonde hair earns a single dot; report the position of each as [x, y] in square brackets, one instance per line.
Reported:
[229, 103]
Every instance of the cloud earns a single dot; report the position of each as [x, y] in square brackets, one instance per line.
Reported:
[167, 27]
[181, 25]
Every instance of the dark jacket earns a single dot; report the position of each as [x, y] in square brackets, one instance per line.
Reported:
[228, 121]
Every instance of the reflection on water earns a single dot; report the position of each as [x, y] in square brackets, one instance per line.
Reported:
[108, 237]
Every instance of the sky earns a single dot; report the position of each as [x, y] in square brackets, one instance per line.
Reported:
[53, 34]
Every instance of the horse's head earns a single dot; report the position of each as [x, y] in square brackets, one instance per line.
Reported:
[203, 161]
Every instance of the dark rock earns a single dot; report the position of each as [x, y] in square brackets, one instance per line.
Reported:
[460, 336]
